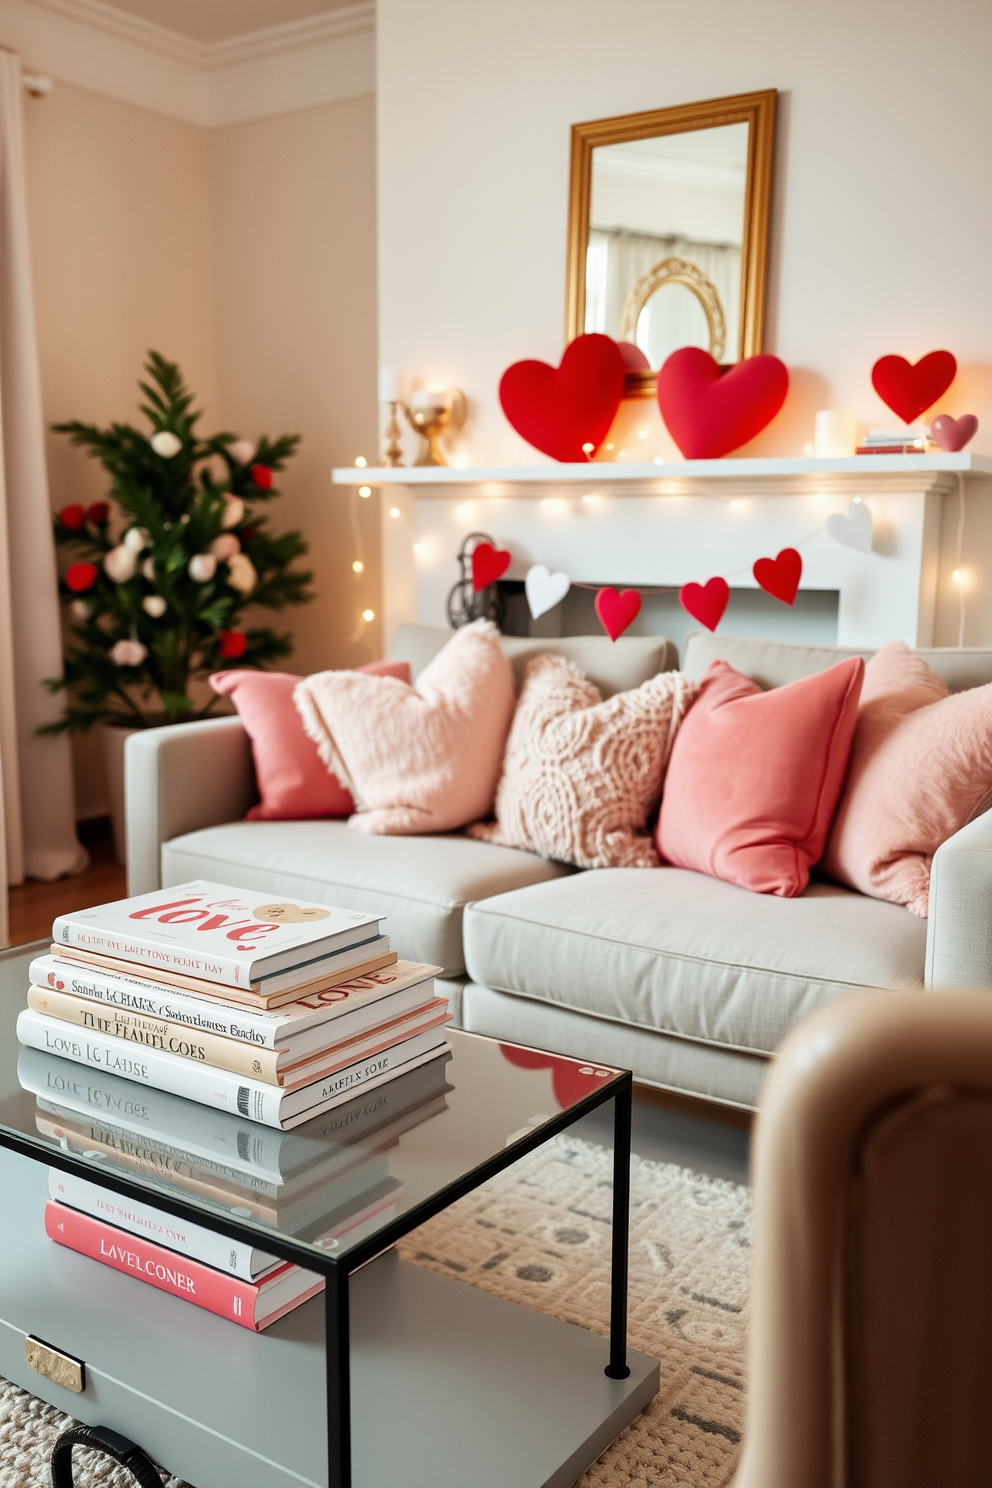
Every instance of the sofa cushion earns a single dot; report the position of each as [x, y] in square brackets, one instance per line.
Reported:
[681, 953]
[771, 663]
[421, 884]
[614, 666]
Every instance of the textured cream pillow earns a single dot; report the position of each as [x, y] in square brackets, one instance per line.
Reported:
[581, 777]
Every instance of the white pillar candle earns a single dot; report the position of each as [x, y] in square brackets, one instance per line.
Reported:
[389, 386]
[835, 434]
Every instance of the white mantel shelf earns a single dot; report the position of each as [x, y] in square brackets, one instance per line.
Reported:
[597, 522]
[677, 476]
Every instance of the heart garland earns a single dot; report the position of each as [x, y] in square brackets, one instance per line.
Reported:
[617, 611]
[705, 602]
[780, 576]
[544, 589]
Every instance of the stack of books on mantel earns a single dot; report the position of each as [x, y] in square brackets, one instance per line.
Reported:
[273, 1012]
[913, 440]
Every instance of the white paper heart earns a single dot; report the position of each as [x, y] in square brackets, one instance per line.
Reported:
[853, 528]
[544, 590]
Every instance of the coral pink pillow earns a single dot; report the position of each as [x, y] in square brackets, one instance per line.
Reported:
[921, 768]
[292, 781]
[754, 776]
[417, 759]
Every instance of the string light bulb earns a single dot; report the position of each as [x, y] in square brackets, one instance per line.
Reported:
[368, 615]
[361, 462]
[394, 511]
[365, 491]
[358, 566]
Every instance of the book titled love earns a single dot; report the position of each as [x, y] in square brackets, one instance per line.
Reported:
[222, 934]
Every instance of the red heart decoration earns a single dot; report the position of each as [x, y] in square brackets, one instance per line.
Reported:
[705, 602]
[488, 565]
[616, 611]
[952, 434]
[710, 410]
[561, 409]
[910, 389]
[780, 576]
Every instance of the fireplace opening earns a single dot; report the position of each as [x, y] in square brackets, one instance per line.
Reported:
[812, 620]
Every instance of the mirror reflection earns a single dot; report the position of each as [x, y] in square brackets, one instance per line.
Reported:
[666, 232]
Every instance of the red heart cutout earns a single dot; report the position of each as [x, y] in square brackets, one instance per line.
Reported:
[952, 434]
[780, 576]
[709, 410]
[910, 389]
[561, 409]
[616, 611]
[488, 565]
[705, 602]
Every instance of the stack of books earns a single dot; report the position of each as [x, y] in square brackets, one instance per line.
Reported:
[272, 1012]
[913, 440]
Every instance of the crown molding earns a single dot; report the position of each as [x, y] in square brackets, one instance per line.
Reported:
[320, 59]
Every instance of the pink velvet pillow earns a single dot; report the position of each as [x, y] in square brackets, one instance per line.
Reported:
[293, 782]
[417, 759]
[921, 768]
[754, 776]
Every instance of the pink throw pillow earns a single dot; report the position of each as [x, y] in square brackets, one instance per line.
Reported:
[754, 776]
[292, 780]
[417, 759]
[921, 769]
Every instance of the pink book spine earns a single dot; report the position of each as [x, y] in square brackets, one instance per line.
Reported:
[227, 1296]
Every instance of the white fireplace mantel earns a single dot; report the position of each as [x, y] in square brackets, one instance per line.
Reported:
[664, 524]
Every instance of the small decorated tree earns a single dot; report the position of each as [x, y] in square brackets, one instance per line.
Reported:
[163, 571]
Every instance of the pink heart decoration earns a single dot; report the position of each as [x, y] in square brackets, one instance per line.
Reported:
[910, 388]
[488, 565]
[705, 602]
[952, 434]
[780, 576]
[560, 410]
[710, 410]
[617, 611]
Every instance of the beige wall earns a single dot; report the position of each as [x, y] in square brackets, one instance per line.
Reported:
[248, 255]
[882, 227]
[294, 213]
[120, 219]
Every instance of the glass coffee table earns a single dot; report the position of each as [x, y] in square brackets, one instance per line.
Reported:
[396, 1375]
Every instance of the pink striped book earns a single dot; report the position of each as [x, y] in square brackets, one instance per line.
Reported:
[254, 1305]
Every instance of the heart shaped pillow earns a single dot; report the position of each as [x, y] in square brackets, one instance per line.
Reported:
[566, 411]
[710, 410]
[908, 388]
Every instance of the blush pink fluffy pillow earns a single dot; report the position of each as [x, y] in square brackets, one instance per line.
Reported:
[581, 777]
[921, 769]
[755, 776]
[293, 782]
[423, 758]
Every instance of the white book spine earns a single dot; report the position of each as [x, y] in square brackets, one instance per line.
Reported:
[138, 996]
[213, 967]
[232, 1256]
[198, 1082]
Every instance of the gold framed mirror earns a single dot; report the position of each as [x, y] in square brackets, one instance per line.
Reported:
[668, 229]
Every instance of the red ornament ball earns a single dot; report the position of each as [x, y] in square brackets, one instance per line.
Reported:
[72, 517]
[231, 644]
[262, 476]
[98, 513]
[80, 576]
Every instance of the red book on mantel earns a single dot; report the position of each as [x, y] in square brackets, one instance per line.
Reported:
[252, 1304]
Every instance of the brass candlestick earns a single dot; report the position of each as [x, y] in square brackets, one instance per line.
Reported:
[433, 415]
[393, 431]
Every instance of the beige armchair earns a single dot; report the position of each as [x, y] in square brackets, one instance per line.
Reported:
[871, 1351]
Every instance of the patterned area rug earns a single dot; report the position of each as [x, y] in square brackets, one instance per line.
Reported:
[540, 1235]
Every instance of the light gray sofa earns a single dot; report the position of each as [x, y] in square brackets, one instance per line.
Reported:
[690, 982]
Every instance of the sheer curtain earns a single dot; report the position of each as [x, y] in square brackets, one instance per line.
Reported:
[617, 259]
[39, 826]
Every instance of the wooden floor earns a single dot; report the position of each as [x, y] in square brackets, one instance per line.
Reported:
[33, 905]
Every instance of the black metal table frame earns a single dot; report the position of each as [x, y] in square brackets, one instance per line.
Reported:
[337, 1272]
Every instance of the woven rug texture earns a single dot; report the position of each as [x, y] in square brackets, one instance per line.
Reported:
[540, 1235]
